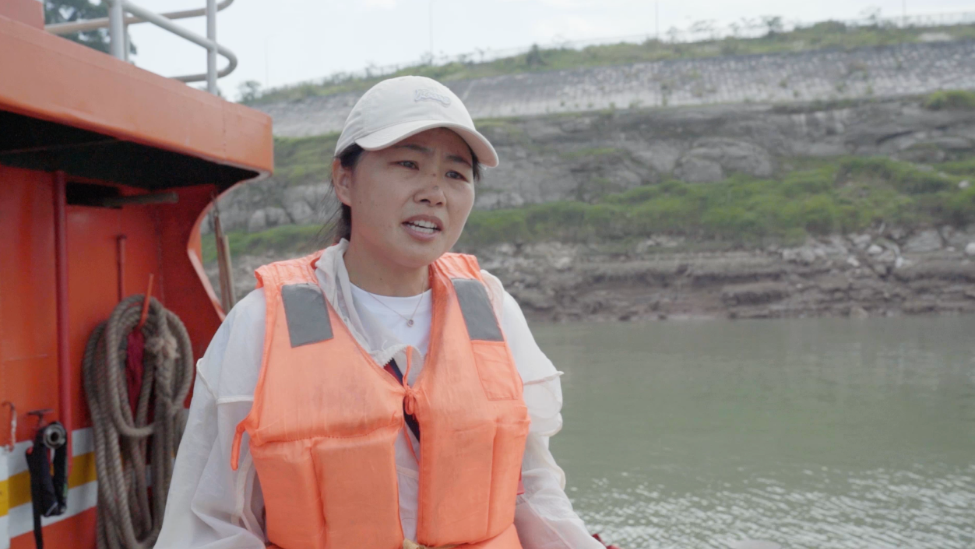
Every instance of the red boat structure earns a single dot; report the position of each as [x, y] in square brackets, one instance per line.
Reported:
[106, 174]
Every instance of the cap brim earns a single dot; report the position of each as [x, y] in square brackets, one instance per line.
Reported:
[394, 134]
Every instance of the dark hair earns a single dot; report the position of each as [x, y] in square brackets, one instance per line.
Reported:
[339, 224]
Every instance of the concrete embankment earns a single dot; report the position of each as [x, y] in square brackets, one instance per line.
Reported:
[826, 75]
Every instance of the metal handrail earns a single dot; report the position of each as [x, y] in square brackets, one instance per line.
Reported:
[118, 21]
[210, 45]
[103, 22]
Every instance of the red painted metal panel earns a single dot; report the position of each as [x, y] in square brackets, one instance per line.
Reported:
[159, 240]
[185, 293]
[93, 276]
[77, 532]
[28, 342]
[65, 375]
[84, 88]
[29, 12]
[73, 85]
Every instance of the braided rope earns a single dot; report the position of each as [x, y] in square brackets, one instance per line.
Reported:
[128, 518]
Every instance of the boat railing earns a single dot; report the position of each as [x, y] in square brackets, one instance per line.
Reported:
[122, 13]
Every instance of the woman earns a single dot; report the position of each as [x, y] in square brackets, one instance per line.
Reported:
[309, 405]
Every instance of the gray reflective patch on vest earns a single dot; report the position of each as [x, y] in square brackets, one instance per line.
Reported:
[478, 313]
[307, 314]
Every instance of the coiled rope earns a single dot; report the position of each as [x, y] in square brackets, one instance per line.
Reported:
[127, 519]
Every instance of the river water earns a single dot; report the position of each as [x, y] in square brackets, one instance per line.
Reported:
[818, 433]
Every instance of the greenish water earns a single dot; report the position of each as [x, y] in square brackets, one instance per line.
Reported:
[822, 433]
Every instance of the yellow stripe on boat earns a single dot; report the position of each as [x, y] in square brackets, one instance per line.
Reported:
[15, 491]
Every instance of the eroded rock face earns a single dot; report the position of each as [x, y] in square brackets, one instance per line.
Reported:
[958, 238]
[924, 241]
[306, 204]
[557, 281]
[729, 156]
[588, 155]
[267, 218]
[699, 170]
[757, 284]
[754, 294]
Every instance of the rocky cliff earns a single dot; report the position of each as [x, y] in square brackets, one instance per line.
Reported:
[857, 275]
[879, 273]
[865, 237]
[584, 156]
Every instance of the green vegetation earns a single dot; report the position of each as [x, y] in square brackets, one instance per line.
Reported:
[304, 160]
[845, 195]
[819, 197]
[950, 100]
[825, 35]
[291, 239]
[960, 167]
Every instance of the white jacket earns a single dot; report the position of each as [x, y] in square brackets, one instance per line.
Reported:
[211, 506]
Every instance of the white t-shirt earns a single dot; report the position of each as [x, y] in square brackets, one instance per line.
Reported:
[393, 313]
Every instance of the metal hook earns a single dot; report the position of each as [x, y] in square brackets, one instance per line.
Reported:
[55, 435]
[39, 414]
[13, 424]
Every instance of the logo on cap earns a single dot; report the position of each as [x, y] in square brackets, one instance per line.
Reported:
[430, 95]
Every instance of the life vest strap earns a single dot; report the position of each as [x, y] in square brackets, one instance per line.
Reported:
[235, 449]
[411, 421]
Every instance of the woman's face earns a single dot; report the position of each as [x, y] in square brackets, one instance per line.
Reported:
[409, 201]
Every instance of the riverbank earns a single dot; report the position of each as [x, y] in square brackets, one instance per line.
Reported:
[884, 273]
[760, 211]
[835, 277]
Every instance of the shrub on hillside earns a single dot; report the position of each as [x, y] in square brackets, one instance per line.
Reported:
[950, 100]
[808, 181]
[295, 239]
[849, 195]
[304, 160]
[960, 207]
[904, 176]
[846, 195]
[960, 167]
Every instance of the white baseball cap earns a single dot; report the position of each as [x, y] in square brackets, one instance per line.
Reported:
[397, 108]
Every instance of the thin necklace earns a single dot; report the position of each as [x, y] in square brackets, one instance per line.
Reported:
[409, 321]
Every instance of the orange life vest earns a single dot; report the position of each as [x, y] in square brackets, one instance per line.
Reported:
[325, 418]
